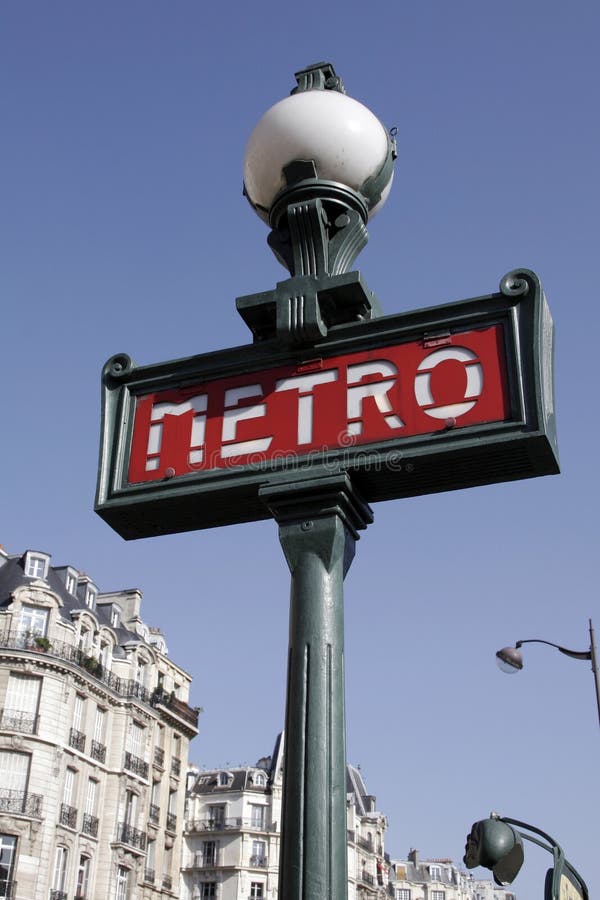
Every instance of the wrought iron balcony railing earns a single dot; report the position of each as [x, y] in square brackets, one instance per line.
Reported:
[367, 878]
[159, 757]
[176, 766]
[127, 688]
[58, 895]
[77, 740]
[149, 876]
[131, 836]
[136, 765]
[171, 824]
[89, 825]
[17, 720]
[167, 882]
[68, 815]
[205, 861]
[21, 803]
[234, 824]
[98, 751]
[259, 862]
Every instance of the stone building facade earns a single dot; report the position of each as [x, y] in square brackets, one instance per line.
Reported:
[232, 834]
[439, 879]
[94, 734]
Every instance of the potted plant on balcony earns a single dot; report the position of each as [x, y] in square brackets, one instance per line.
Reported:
[42, 643]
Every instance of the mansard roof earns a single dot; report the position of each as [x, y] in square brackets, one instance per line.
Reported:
[13, 576]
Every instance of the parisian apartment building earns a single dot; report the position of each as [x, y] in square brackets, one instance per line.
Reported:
[95, 726]
[439, 879]
[232, 839]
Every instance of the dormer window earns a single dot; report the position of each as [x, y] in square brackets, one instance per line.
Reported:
[259, 779]
[71, 582]
[90, 596]
[36, 565]
[115, 616]
[224, 778]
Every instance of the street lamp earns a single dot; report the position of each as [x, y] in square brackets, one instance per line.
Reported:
[318, 166]
[510, 659]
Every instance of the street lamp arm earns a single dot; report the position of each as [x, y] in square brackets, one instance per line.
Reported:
[575, 654]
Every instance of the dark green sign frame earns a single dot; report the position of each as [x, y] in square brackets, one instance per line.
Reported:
[522, 445]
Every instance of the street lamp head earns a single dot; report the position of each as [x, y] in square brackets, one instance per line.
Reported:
[510, 660]
[318, 144]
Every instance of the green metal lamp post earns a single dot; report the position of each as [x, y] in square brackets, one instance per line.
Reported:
[317, 165]
[331, 407]
[510, 659]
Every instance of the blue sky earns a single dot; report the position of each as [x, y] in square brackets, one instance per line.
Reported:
[123, 228]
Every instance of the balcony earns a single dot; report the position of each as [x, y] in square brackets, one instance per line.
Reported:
[176, 766]
[98, 751]
[89, 825]
[127, 688]
[77, 740]
[366, 878]
[159, 758]
[136, 765]
[178, 707]
[205, 860]
[16, 720]
[58, 895]
[364, 843]
[234, 824]
[167, 882]
[131, 836]
[154, 813]
[171, 824]
[149, 876]
[68, 816]
[21, 803]
[259, 862]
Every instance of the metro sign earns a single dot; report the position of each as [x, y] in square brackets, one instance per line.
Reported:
[437, 399]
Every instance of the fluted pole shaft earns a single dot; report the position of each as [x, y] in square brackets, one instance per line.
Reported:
[317, 531]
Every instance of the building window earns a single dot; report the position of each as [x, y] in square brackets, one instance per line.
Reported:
[216, 816]
[85, 639]
[59, 876]
[259, 854]
[209, 853]
[83, 878]
[33, 621]
[259, 779]
[435, 873]
[8, 848]
[402, 893]
[105, 655]
[257, 816]
[14, 771]
[223, 779]
[90, 597]
[438, 895]
[256, 890]
[122, 892]
[71, 583]
[208, 890]
[36, 565]
[21, 703]
[115, 616]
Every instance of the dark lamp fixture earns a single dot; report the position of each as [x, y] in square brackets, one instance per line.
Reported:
[510, 660]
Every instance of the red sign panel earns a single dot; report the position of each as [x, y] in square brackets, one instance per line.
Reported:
[359, 398]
